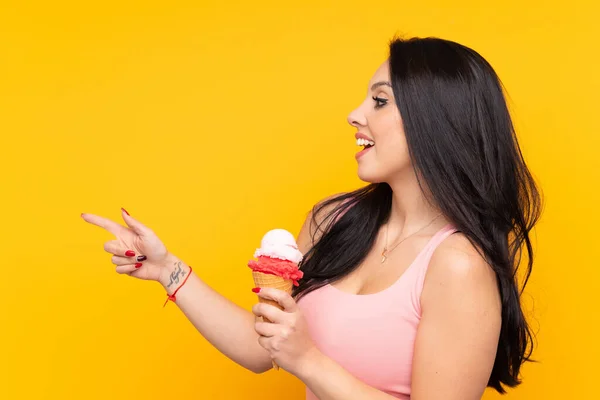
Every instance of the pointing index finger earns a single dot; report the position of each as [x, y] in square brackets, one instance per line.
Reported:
[105, 223]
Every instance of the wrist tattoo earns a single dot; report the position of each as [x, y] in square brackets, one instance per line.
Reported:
[176, 275]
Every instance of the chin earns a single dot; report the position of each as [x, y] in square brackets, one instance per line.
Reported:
[369, 176]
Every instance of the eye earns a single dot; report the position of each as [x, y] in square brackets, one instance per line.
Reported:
[380, 102]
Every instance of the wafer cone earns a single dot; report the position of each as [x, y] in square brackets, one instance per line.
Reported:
[272, 281]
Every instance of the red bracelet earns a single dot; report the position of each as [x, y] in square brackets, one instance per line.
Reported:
[172, 296]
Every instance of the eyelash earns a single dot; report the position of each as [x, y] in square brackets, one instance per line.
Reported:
[380, 102]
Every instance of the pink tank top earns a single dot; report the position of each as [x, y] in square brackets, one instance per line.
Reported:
[372, 336]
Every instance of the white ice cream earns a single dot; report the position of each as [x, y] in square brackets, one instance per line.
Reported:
[279, 243]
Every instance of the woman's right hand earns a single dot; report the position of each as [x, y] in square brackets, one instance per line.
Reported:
[133, 241]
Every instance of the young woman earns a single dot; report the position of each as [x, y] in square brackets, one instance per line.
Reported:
[410, 283]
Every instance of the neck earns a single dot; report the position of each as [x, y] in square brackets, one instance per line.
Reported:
[410, 209]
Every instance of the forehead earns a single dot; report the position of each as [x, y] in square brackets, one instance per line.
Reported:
[381, 74]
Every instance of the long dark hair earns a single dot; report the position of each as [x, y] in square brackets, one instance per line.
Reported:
[464, 149]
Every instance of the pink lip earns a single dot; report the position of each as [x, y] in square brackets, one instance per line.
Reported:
[360, 135]
[362, 152]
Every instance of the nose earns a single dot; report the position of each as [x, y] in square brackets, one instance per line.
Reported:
[356, 118]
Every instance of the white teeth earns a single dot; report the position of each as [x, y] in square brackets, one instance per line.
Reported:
[364, 142]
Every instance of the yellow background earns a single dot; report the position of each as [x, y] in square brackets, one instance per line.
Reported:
[213, 122]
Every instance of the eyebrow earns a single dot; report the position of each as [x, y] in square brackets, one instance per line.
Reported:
[380, 83]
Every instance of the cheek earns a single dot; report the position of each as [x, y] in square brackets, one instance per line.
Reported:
[388, 130]
[394, 153]
[394, 149]
[389, 159]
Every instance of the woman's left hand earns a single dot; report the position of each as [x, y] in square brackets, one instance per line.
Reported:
[286, 338]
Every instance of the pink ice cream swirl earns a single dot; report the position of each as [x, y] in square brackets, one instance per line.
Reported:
[275, 266]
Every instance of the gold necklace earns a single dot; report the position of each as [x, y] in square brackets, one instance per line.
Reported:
[385, 252]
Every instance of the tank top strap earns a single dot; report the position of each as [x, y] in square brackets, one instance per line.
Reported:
[423, 263]
[439, 237]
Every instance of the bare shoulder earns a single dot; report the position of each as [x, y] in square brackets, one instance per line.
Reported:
[457, 268]
[310, 232]
[457, 257]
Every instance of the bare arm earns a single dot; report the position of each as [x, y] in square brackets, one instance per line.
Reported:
[458, 333]
[227, 326]
[224, 324]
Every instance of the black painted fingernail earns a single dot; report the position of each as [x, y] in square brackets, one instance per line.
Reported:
[141, 258]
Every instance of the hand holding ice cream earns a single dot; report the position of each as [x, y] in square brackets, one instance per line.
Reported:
[277, 264]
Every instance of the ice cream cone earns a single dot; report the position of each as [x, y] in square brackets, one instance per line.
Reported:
[276, 266]
[272, 281]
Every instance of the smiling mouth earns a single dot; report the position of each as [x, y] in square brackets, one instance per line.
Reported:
[366, 144]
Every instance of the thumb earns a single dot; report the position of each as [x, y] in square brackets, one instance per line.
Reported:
[134, 224]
